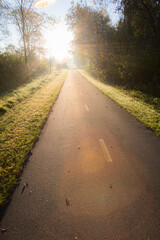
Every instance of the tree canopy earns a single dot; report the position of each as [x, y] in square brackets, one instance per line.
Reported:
[127, 54]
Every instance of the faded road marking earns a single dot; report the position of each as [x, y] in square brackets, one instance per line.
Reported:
[105, 150]
[86, 107]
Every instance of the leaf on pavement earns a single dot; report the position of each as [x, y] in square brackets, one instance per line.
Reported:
[24, 186]
[4, 230]
[67, 202]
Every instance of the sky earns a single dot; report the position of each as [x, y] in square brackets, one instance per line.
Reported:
[58, 8]
[58, 40]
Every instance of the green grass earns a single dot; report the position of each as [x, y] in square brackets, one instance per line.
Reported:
[23, 113]
[144, 108]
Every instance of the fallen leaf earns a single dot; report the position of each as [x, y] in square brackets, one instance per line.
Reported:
[67, 202]
[4, 230]
[24, 186]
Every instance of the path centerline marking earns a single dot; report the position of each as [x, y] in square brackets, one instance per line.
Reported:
[105, 150]
[87, 108]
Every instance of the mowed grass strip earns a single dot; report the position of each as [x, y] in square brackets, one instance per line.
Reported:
[11, 98]
[144, 108]
[21, 125]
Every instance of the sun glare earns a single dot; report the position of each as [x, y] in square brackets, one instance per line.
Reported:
[58, 42]
[44, 3]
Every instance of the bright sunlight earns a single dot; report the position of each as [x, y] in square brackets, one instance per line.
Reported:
[43, 3]
[59, 42]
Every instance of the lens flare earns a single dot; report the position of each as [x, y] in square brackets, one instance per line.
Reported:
[44, 3]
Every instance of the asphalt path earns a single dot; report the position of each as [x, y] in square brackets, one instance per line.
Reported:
[94, 174]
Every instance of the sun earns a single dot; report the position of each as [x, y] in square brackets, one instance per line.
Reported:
[58, 41]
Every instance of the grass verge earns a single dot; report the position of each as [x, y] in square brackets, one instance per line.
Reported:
[144, 108]
[26, 110]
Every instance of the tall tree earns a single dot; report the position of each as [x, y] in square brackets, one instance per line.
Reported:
[3, 19]
[29, 24]
[90, 28]
[127, 54]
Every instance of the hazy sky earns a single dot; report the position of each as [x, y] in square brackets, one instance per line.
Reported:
[58, 40]
[58, 8]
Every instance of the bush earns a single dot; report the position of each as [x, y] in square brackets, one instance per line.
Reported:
[14, 72]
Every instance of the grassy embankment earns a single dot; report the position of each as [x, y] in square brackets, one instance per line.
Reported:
[22, 115]
[144, 108]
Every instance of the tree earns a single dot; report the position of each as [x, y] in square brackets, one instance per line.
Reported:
[29, 24]
[51, 20]
[3, 19]
[127, 54]
[140, 42]
[90, 28]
